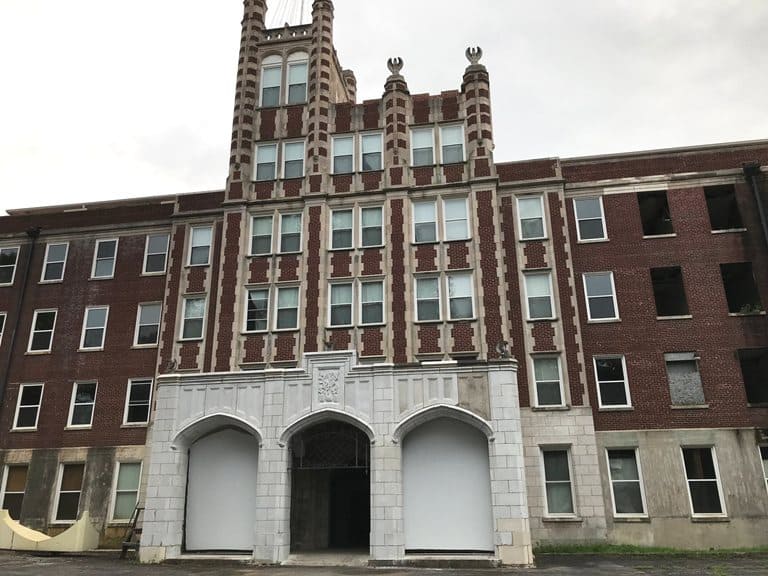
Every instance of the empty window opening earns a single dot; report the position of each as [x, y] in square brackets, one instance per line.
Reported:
[685, 387]
[740, 288]
[754, 370]
[654, 212]
[669, 292]
[723, 209]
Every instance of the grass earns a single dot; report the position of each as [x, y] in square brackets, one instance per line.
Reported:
[630, 549]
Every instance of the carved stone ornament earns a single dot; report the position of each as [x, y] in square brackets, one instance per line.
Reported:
[395, 65]
[328, 386]
[474, 55]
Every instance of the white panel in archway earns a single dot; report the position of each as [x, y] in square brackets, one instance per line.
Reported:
[447, 488]
[221, 492]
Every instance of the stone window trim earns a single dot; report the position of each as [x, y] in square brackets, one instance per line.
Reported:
[5, 251]
[36, 331]
[193, 258]
[723, 514]
[115, 490]
[558, 516]
[128, 404]
[639, 481]
[50, 262]
[90, 328]
[75, 403]
[357, 302]
[359, 228]
[441, 221]
[564, 400]
[102, 259]
[281, 233]
[28, 406]
[137, 331]
[616, 316]
[579, 220]
[149, 252]
[625, 382]
[57, 496]
[443, 296]
[184, 317]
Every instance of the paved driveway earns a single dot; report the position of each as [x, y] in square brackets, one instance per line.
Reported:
[108, 565]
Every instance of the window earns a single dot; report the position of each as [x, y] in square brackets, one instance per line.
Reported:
[740, 288]
[293, 160]
[538, 290]
[703, 482]
[55, 262]
[371, 303]
[452, 142]
[723, 208]
[669, 292]
[343, 155]
[43, 326]
[422, 144]
[611, 377]
[256, 314]
[557, 482]
[156, 254]
[8, 258]
[685, 387]
[28, 406]
[654, 213]
[194, 319]
[126, 490]
[137, 401]
[549, 390]
[764, 458]
[427, 299]
[290, 233]
[266, 162]
[261, 235]
[94, 328]
[371, 227]
[68, 494]
[271, 76]
[370, 149]
[341, 229]
[82, 405]
[297, 79]
[626, 483]
[601, 296]
[456, 219]
[754, 370]
[3, 316]
[530, 211]
[424, 222]
[340, 313]
[14, 486]
[590, 218]
[200, 246]
[460, 296]
[148, 324]
[287, 317]
[104, 259]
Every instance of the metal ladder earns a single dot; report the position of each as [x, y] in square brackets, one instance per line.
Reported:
[129, 543]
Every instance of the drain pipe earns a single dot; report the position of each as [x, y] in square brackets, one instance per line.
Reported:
[752, 173]
[33, 234]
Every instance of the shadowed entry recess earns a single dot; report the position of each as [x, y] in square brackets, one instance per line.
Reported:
[330, 488]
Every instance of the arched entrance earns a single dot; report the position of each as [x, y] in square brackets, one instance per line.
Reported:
[330, 488]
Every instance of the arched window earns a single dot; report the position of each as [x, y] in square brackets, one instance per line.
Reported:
[297, 78]
[271, 78]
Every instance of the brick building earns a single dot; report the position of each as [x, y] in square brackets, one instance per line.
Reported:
[378, 336]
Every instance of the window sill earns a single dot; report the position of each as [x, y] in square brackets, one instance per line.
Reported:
[197, 265]
[709, 519]
[136, 425]
[604, 321]
[691, 407]
[372, 247]
[22, 430]
[340, 327]
[563, 408]
[681, 317]
[144, 346]
[289, 253]
[254, 332]
[426, 243]
[757, 404]
[96, 278]
[285, 330]
[616, 409]
[659, 236]
[36, 352]
[470, 319]
[738, 314]
[422, 322]
[562, 519]
[424, 165]
[632, 519]
[553, 319]
[265, 255]
[593, 241]
[59, 281]
[70, 428]
[542, 239]
[101, 349]
[189, 340]
[375, 325]
[293, 178]
[155, 274]
[729, 231]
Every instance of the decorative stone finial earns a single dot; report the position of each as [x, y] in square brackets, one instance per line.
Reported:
[395, 65]
[474, 55]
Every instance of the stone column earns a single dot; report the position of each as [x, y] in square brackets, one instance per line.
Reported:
[320, 62]
[477, 100]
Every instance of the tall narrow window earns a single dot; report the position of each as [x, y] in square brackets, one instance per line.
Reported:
[82, 405]
[538, 290]
[55, 262]
[427, 299]
[266, 162]
[530, 212]
[194, 319]
[669, 292]
[200, 246]
[14, 486]
[611, 376]
[654, 213]
[703, 482]
[8, 258]
[456, 219]
[723, 208]
[549, 388]
[3, 316]
[94, 328]
[452, 143]
[271, 75]
[343, 155]
[423, 146]
[261, 235]
[293, 160]
[68, 494]
[290, 233]
[341, 229]
[104, 259]
[371, 302]
[626, 484]
[258, 306]
[601, 297]
[424, 222]
[370, 149]
[297, 78]
[685, 387]
[28, 406]
[557, 481]
[590, 220]
[371, 227]
[126, 490]
[148, 324]
[754, 370]
[740, 288]
[156, 254]
[287, 317]
[137, 401]
[43, 326]
[460, 296]
[340, 313]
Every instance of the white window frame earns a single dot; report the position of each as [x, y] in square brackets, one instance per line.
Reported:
[303, 159]
[351, 229]
[136, 343]
[184, 318]
[334, 140]
[567, 450]
[471, 295]
[18, 406]
[431, 130]
[383, 302]
[255, 177]
[277, 309]
[102, 328]
[72, 403]
[362, 228]
[15, 264]
[463, 143]
[764, 470]
[296, 59]
[616, 513]
[147, 254]
[4, 481]
[95, 258]
[602, 219]
[439, 299]
[3, 322]
[351, 305]
[363, 136]
[623, 358]
[32, 330]
[55, 514]
[280, 233]
[553, 315]
[116, 476]
[269, 62]
[46, 262]
[436, 221]
[557, 358]
[192, 245]
[617, 316]
[131, 382]
[271, 218]
[720, 493]
[466, 220]
[540, 198]
[247, 302]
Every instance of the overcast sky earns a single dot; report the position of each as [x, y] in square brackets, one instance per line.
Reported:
[102, 99]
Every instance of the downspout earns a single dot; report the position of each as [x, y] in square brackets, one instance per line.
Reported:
[752, 172]
[33, 234]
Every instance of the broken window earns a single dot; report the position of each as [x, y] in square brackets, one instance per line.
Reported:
[722, 206]
[754, 370]
[669, 292]
[685, 387]
[654, 213]
[740, 288]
